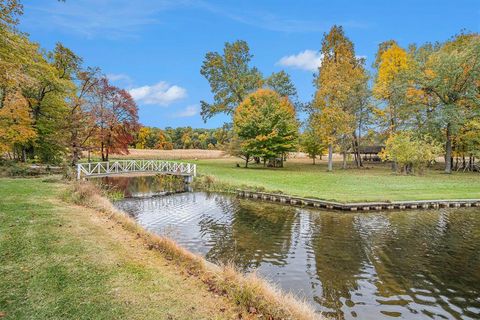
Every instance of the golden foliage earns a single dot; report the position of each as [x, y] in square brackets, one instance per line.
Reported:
[392, 61]
[15, 122]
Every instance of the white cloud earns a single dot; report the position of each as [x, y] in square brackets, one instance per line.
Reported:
[189, 111]
[307, 60]
[118, 77]
[162, 94]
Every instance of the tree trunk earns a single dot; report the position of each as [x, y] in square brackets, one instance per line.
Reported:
[313, 159]
[356, 150]
[344, 165]
[75, 156]
[394, 166]
[330, 157]
[448, 150]
[246, 161]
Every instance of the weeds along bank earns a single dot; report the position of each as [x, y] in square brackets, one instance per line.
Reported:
[254, 295]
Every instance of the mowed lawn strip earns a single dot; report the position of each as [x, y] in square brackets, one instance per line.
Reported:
[60, 261]
[377, 183]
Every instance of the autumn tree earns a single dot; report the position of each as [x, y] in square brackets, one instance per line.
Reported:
[410, 152]
[311, 141]
[116, 116]
[15, 125]
[81, 112]
[10, 10]
[266, 124]
[390, 83]
[341, 86]
[449, 77]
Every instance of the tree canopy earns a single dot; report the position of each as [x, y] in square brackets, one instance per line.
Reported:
[266, 124]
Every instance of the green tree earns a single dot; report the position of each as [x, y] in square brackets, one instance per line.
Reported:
[231, 79]
[281, 83]
[311, 141]
[411, 153]
[266, 124]
[448, 81]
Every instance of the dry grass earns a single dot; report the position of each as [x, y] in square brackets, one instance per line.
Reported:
[255, 296]
[175, 154]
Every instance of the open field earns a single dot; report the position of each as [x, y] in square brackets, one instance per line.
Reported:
[373, 183]
[60, 261]
[175, 154]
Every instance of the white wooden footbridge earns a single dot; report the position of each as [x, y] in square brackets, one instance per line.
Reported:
[117, 167]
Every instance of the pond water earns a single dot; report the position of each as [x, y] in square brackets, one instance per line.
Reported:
[379, 265]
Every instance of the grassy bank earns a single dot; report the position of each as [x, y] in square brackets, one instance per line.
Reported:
[374, 183]
[61, 261]
[64, 261]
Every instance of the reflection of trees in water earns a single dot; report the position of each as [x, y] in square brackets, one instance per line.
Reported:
[339, 258]
[144, 184]
[253, 233]
[429, 256]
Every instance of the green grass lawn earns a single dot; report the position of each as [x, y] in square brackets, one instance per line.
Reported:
[375, 183]
[60, 261]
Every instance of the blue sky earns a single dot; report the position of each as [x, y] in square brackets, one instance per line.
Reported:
[155, 48]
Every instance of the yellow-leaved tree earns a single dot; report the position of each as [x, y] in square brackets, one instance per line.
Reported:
[341, 88]
[15, 124]
[266, 126]
[390, 84]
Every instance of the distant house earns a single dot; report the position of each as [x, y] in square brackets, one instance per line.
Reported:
[370, 153]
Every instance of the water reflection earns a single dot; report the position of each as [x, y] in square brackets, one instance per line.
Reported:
[143, 186]
[412, 264]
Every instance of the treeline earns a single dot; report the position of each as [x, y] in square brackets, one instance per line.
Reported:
[181, 138]
[52, 107]
[421, 102]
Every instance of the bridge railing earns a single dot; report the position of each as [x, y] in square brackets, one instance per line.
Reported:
[106, 168]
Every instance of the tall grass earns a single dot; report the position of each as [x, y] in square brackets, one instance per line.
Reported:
[253, 294]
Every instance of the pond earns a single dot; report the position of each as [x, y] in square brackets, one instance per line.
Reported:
[379, 265]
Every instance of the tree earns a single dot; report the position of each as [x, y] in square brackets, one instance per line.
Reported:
[339, 80]
[311, 142]
[231, 78]
[449, 78]
[389, 84]
[333, 124]
[281, 83]
[10, 10]
[116, 117]
[410, 152]
[81, 115]
[15, 124]
[266, 124]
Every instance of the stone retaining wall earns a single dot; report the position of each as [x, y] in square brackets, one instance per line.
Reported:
[364, 206]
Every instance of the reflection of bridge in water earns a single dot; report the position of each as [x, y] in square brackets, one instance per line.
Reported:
[108, 168]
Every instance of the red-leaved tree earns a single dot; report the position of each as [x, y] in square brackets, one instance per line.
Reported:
[116, 116]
